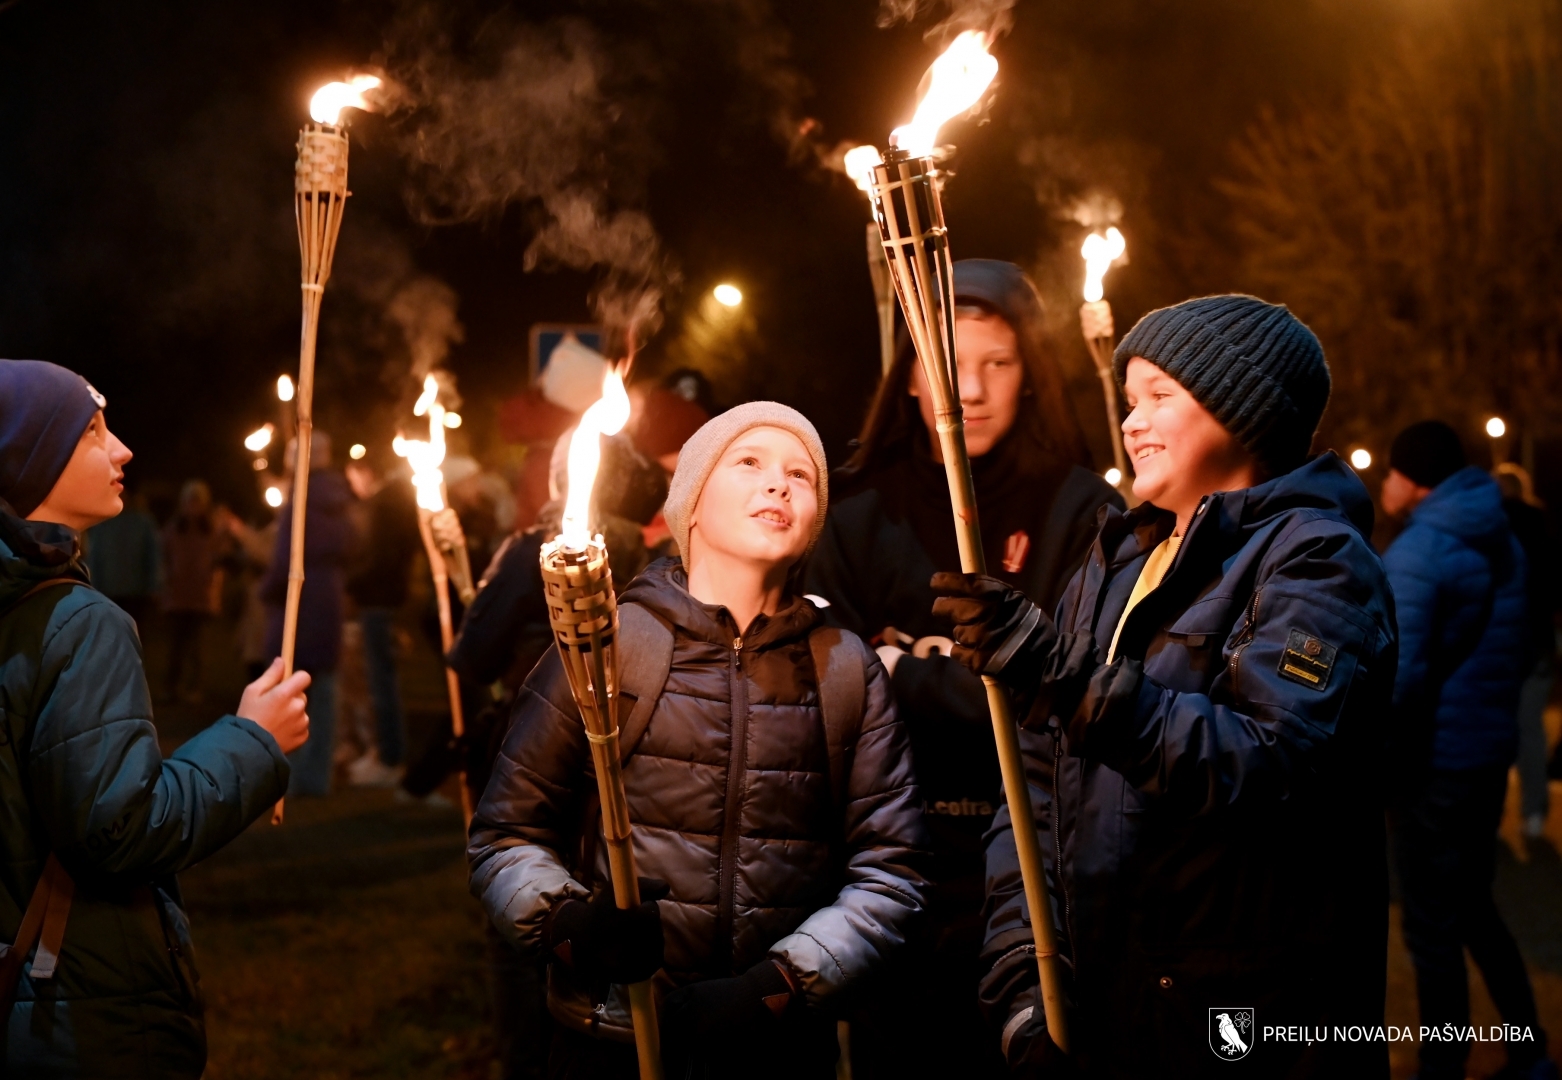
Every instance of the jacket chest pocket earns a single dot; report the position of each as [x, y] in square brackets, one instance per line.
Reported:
[1189, 653]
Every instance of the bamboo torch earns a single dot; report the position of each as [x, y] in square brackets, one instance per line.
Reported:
[584, 612]
[319, 197]
[428, 481]
[1095, 320]
[904, 189]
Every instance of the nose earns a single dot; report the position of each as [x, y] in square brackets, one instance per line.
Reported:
[775, 483]
[1134, 422]
[973, 387]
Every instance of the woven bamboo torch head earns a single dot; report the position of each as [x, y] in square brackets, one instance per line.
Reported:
[583, 610]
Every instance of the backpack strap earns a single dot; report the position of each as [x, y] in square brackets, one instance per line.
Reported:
[645, 656]
[842, 675]
[43, 924]
[35, 590]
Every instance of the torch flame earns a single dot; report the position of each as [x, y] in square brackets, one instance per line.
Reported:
[1100, 253]
[859, 164]
[329, 101]
[426, 456]
[957, 80]
[607, 416]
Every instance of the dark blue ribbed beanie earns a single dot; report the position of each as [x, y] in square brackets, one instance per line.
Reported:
[1256, 367]
[44, 409]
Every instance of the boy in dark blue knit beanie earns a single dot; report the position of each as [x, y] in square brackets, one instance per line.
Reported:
[92, 809]
[1208, 702]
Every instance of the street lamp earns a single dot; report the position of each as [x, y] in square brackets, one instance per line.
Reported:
[727, 295]
[284, 388]
[1361, 459]
[1496, 427]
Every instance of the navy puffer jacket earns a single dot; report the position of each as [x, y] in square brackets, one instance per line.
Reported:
[1459, 583]
[730, 800]
[1213, 815]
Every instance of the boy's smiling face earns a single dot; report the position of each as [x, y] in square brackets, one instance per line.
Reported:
[1180, 452]
[759, 504]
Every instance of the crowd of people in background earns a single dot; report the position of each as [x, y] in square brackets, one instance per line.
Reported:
[1097, 615]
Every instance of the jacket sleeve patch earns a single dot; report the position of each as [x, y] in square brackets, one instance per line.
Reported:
[1307, 660]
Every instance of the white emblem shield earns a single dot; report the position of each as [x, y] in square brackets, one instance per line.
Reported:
[1231, 1032]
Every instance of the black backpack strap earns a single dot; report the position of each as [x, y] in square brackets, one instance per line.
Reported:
[842, 674]
[645, 656]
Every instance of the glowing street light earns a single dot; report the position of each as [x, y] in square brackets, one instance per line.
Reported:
[1496, 428]
[284, 388]
[259, 439]
[273, 496]
[1360, 459]
[727, 295]
[357, 451]
[1113, 476]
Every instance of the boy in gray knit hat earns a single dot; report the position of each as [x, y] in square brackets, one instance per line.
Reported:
[769, 787]
[1207, 703]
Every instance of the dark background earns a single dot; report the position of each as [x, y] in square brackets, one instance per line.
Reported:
[146, 154]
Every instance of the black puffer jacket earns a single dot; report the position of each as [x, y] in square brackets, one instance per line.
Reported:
[731, 803]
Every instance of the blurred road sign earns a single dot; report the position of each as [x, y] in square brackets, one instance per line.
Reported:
[545, 337]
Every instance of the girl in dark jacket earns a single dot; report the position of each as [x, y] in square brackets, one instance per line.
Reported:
[1205, 739]
[87, 802]
[890, 528]
[786, 878]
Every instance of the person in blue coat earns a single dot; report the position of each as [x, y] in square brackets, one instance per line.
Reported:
[1459, 582]
[84, 789]
[1205, 713]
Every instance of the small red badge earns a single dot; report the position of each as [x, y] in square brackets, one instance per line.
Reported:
[1015, 551]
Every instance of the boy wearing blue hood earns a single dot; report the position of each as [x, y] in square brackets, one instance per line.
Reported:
[94, 821]
[1459, 579]
[1205, 720]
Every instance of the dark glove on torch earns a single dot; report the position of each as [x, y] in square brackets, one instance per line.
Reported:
[1029, 1049]
[725, 1010]
[605, 943]
[999, 632]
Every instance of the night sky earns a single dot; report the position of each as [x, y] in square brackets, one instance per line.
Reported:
[146, 153]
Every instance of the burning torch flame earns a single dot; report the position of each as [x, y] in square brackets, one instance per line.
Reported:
[425, 457]
[859, 164]
[329, 101]
[607, 416]
[957, 81]
[1100, 253]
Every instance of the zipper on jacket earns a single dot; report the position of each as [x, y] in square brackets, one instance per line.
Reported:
[1249, 632]
[732, 814]
[1057, 847]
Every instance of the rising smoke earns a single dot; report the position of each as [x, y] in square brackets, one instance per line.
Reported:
[526, 115]
[994, 17]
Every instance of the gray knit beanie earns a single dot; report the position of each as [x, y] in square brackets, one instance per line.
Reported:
[1256, 367]
[705, 447]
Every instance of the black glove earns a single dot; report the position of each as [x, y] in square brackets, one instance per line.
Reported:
[998, 631]
[724, 1010]
[604, 943]
[1029, 1049]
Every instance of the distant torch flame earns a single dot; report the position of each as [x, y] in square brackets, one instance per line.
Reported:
[329, 101]
[1100, 253]
[859, 164]
[957, 81]
[607, 416]
[425, 457]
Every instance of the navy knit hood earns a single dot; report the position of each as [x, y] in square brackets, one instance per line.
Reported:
[44, 408]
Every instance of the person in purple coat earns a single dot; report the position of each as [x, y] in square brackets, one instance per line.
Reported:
[329, 538]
